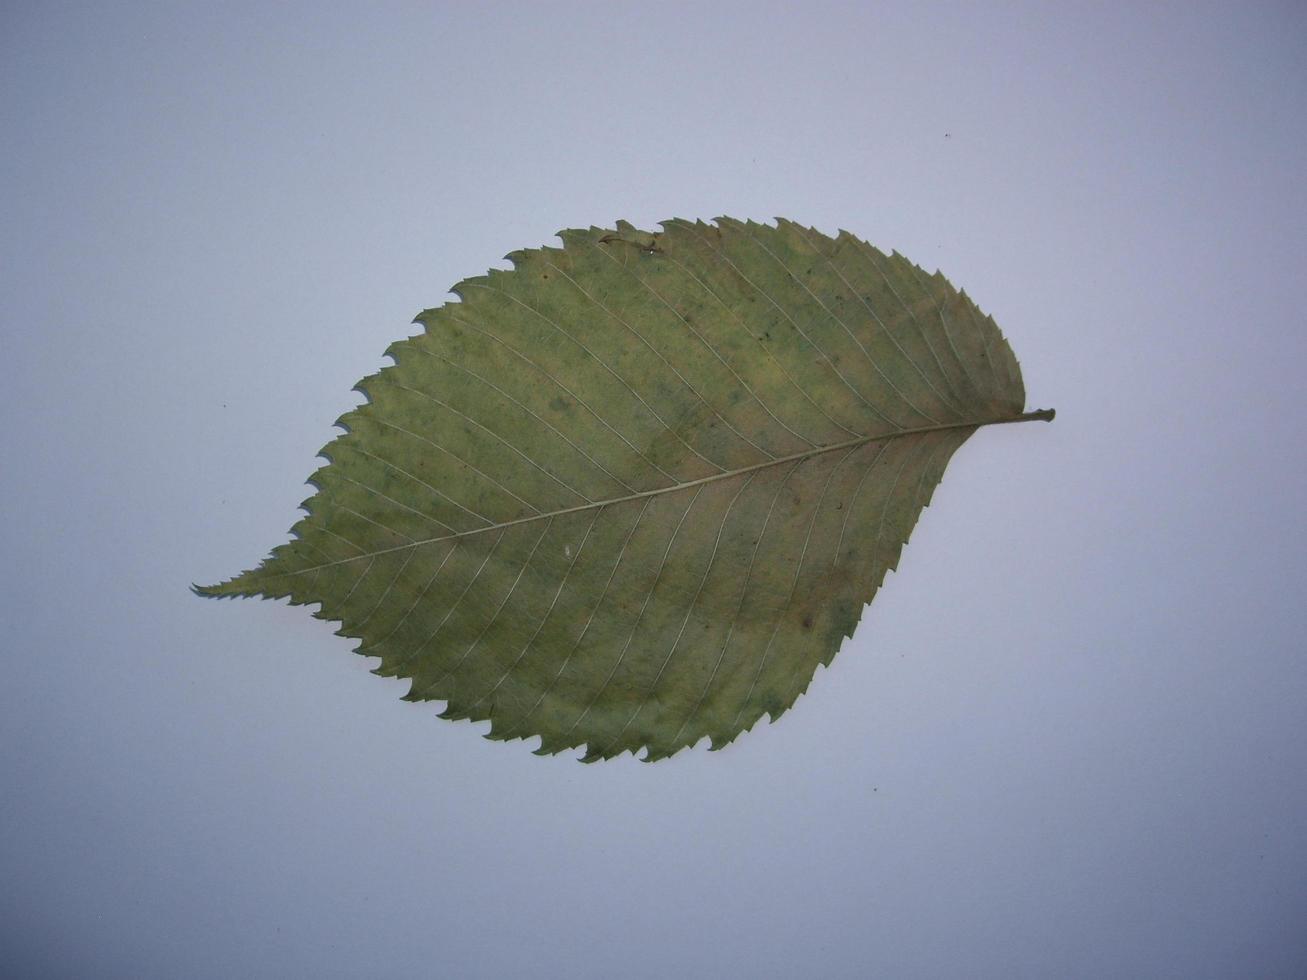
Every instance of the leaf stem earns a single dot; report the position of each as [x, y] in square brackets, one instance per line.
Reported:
[1042, 415]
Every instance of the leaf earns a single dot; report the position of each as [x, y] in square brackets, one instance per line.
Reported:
[631, 492]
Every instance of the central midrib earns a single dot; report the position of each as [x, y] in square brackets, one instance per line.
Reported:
[1042, 415]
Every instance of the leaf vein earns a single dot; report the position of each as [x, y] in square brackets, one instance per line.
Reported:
[678, 487]
[766, 350]
[639, 616]
[870, 255]
[821, 352]
[570, 394]
[604, 364]
[852, 336]
[744, 591]
[707, 346]
[694, 602]
[494, 616]
[586, 628]
[657, 353]
[548, 612]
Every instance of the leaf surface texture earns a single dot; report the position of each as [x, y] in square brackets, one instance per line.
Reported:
[631, 492]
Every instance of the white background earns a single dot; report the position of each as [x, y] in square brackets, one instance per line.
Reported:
[1068, 738]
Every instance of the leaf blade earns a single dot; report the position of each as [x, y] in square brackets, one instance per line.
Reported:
[720, 435]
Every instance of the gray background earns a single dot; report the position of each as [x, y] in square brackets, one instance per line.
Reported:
[1068, 740]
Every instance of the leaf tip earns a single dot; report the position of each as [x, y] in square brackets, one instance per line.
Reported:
[221, 590]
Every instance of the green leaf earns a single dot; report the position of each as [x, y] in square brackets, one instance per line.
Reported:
[630, 493]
